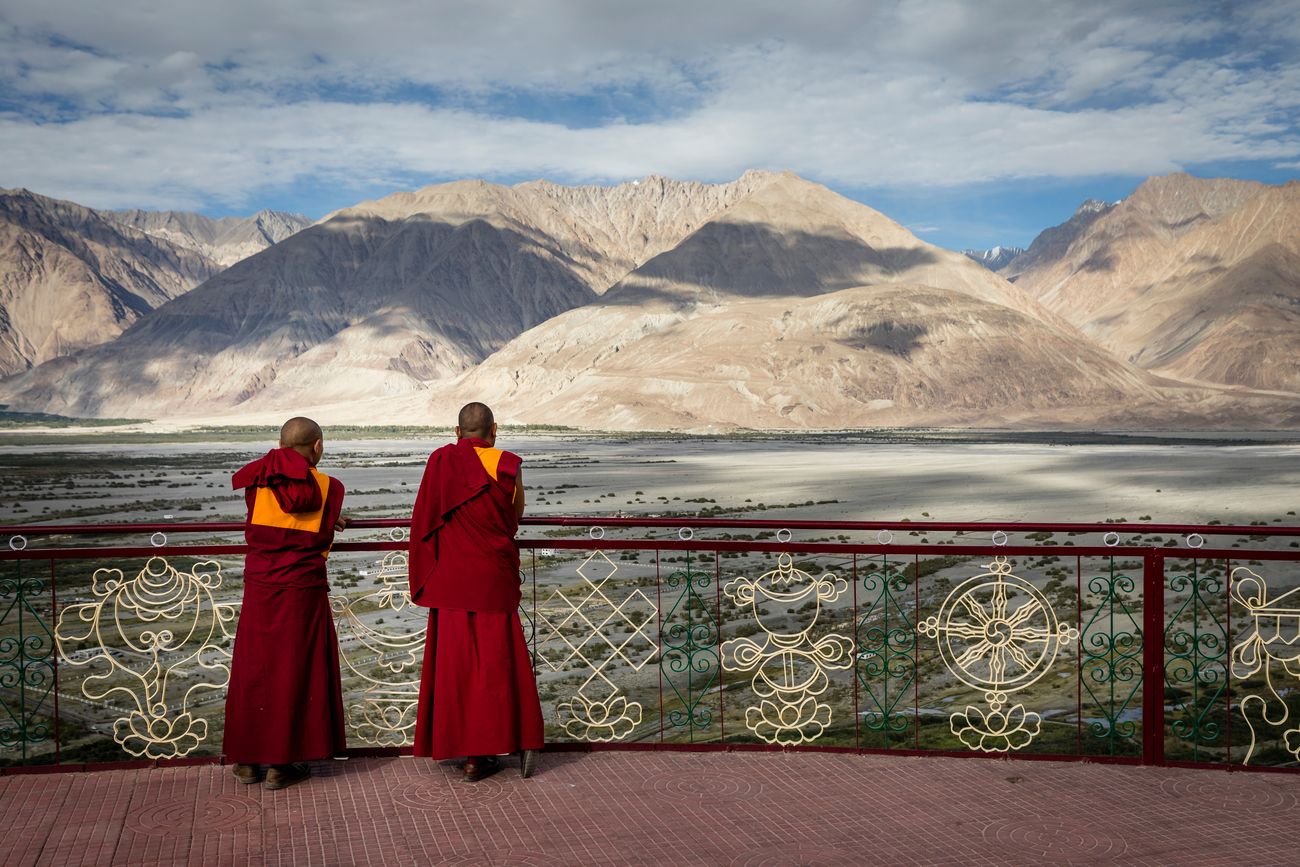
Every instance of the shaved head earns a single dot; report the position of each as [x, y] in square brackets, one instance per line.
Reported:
[475, 420]
[299, 432]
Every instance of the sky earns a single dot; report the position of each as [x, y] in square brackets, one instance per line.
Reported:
[971, 123]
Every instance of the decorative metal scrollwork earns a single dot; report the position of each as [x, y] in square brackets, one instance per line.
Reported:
[789, 667]
[997, 649]
[147, 637]
[26, 663]
[886, 651]
[386, 658]
[1110, 669]
[596, 633]
[690, 661]
[1274, 637]
[1196, 657]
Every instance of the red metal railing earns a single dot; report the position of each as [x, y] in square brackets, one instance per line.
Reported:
[759, 678]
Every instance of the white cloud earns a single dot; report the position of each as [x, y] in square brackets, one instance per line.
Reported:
[216, 102]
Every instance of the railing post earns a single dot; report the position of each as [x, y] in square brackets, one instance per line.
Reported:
[1153, 658]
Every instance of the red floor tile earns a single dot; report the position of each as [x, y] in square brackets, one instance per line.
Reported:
[748, 810]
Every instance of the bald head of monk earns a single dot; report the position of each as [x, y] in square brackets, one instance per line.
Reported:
[304, 436]
[476, 421]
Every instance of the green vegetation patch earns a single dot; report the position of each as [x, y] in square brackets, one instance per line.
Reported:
[12, 419]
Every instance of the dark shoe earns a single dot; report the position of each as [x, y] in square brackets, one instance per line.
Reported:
[283, 776]
[527, 763]
[478, 767]
[247, 774]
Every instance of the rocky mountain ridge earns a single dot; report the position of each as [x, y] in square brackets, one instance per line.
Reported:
[798, 309]
[224, 240]
[1193, 279]
[383, 297]
[1052, 242]
[73, 277]
[769, 302]
[69, 278]
[994, 258]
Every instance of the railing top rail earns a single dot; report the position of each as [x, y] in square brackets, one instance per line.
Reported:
[1143, 527]
[842, 549]
[1133, 527]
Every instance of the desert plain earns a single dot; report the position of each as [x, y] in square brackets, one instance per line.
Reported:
[943, 475]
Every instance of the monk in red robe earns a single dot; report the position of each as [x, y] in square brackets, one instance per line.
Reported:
[285, 701]
[478, 696]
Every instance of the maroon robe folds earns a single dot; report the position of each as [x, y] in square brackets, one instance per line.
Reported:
[478, 695]
[285, 700]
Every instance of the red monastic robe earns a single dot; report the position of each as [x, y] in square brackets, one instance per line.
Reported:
[285, 700]
[478, 695]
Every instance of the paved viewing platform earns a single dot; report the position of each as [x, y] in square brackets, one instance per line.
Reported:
[675, 808]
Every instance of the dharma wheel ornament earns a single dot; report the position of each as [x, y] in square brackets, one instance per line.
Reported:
[997, 633]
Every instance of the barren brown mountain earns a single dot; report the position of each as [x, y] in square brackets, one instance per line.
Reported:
[224, 240]
[380, 298]
[797, 308]
[1193, 279]
[70, 278]
[769, 302]
[1053, 242]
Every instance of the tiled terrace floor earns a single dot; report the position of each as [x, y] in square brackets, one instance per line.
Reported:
[660, 808]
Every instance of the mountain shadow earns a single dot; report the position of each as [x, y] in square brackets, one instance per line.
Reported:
[896, 338]
[751, 260]
[372, 299]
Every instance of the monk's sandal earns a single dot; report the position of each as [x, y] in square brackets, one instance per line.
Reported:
[284, 776]
[479, 767]
[247, 774]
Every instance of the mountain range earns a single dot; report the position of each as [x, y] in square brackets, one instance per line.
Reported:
[224, 240]
[995, 258]
[768, 302]
[1197, 280]
[72, 277]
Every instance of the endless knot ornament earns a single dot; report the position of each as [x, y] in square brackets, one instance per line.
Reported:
[789, 665]
[1274, 638]
[597, 632]
[998, 634]
[385, 657]
[158, 642]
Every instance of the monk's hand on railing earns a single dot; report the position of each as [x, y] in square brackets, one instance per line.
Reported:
[341, 523]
